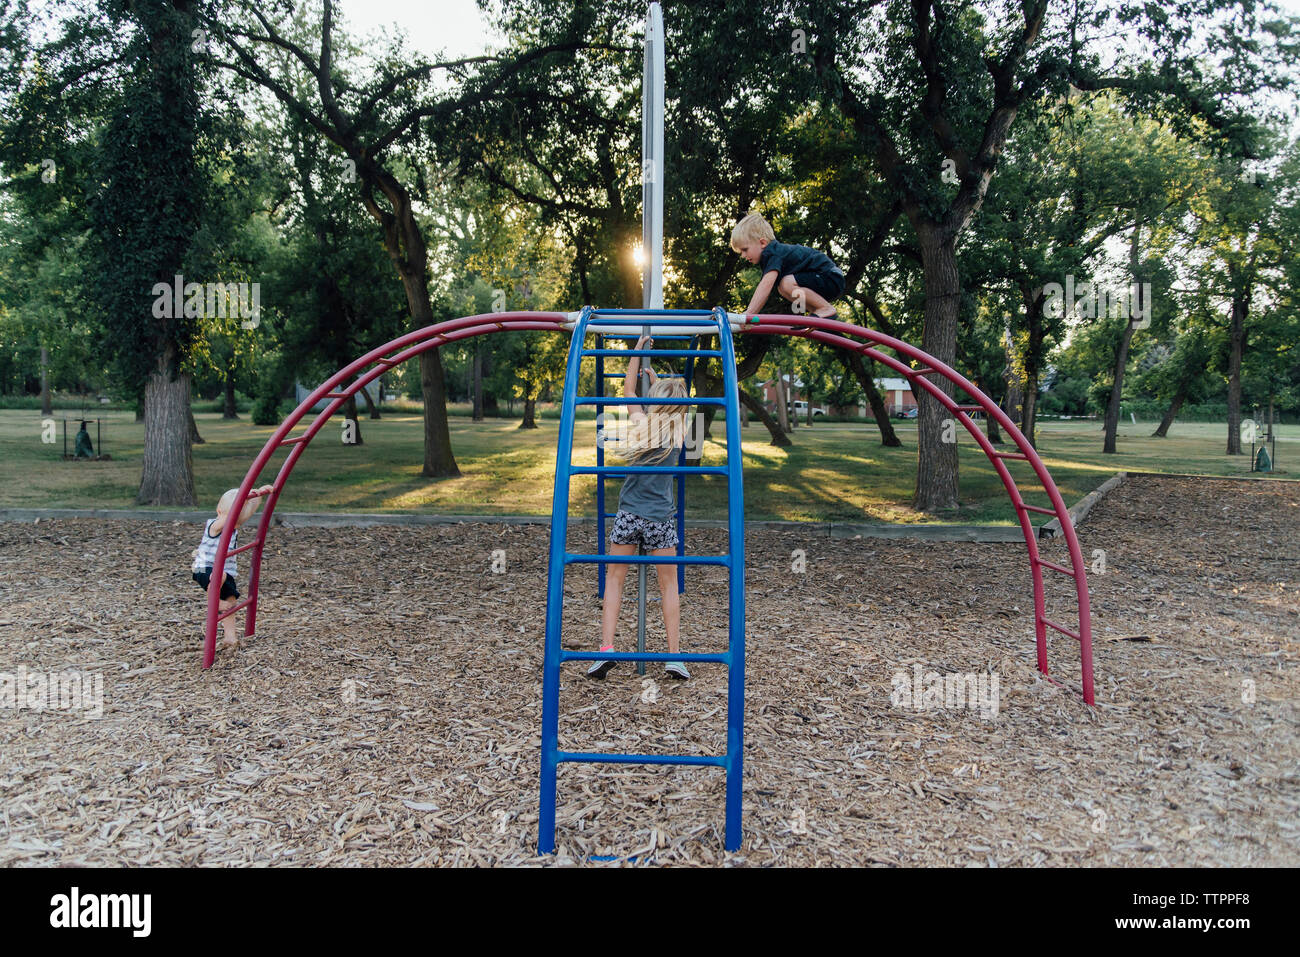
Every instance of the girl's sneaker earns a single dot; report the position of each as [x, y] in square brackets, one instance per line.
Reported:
[677, 669]
[599, 669]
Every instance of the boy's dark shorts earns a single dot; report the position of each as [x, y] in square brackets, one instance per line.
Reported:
[228, 588]
[632, 529]
[828, 285]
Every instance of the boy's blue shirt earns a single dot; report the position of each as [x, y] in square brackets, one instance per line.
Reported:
[787, 259]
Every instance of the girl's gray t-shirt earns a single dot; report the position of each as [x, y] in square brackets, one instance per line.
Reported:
[651, 496]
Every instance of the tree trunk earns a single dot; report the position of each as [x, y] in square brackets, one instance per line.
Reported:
[709, 412]
[371, 405]
[1029, 409]
[230, 410]
[936, 463]
[992, 431]
[478, 383]
[439, 462]
[1171, 413]
[167, 476]
[1116, 390]
[195, 438]
[410, 255]
[530, 404]
[1121, 354]
[47, 408]
[351, 430]
[773, 427]
[853, 362]
[1238, 347]
[782, 403]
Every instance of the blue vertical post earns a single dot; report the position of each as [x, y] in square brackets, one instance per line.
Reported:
[600, 479]
[555, 593]
[736, 588]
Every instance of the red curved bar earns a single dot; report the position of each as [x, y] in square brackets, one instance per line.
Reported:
[412, 344]
[828, 331]
[822, 330]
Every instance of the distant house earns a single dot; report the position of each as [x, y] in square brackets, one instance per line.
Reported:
[897, 394]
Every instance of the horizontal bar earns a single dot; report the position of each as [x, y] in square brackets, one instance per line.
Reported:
[293, 441]
[595, 757]
[242, 548]
[662, 375]
[607, 559]
[1065, 631]
[1055, 567]
[1012, 455]
[652, 312]
[924, 370]
[227, 614]
[666, 322]
[637, 335]
[648, 470]
[335, 395]
[721, 657]
[642, 400]
[970, 408]
[1035, 508]
[663, 353]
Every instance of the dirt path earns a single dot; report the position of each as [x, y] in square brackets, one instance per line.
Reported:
[389, 710]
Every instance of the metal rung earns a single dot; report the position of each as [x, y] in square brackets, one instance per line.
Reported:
[387, 363]
[671, 321]
[638, 313]
[242, 548]
[1065, 631]
[336, 395]
[293, 441]
[719, 657]
[1056, 568]
[970, 408]
[1035, 508]
[648, 470]
[642, 400]
[661, 353]
[1012, 455]
[924, 370]
[662, 375]
[227, 614]
[607, 559]
[595, 757]
[636, 335]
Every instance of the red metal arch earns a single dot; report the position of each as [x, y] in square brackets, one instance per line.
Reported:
[828, 331]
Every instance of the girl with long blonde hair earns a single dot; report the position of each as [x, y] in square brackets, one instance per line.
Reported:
[647, 506]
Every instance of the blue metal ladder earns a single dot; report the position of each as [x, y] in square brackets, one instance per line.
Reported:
[698, 322]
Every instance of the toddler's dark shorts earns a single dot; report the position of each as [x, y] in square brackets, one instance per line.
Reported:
[228, 587]
[828, 285]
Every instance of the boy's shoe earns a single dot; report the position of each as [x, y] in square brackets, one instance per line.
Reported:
[677, 669]
[599, 669]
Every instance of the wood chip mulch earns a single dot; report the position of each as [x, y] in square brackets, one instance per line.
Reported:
[388, 711]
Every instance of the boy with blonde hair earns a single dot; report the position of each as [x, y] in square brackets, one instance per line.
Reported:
[206, 554]
[801, 275]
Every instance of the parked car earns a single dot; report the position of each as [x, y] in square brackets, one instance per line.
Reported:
[905, 413]
[801, 410]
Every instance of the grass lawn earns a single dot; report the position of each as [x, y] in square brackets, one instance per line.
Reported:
[834, 471]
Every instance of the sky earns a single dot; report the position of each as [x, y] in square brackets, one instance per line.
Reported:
[452, 27]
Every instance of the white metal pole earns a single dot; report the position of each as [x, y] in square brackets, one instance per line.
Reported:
[652, 162]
